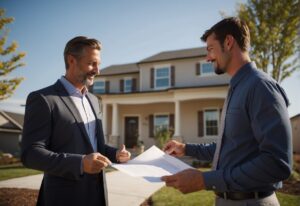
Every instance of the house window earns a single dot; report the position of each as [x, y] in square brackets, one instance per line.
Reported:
[161, 122]
[128, 85]
[206, 68]
[162, 77]
[99, 87]
[211, 120]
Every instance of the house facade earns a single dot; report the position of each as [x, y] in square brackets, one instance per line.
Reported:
[11, 126]
[176, 91]
[295, 122]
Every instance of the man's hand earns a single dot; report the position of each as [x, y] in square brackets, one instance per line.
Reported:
[190, 180]
[123, 155]
[93, 163]
[174, 148]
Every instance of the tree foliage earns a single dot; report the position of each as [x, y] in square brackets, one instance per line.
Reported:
[9, 59]
[274, 28]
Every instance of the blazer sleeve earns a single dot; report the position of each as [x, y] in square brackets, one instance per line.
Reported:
[37, 133]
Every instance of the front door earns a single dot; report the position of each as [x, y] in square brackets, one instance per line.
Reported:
[131, 131]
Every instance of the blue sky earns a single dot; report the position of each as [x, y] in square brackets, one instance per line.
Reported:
[129, 30]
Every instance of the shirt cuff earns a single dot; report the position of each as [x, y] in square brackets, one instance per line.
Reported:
[81, 165]
[190, 149]
[214, 180]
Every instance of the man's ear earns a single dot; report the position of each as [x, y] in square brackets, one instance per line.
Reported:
[71, 60]
[229, 42]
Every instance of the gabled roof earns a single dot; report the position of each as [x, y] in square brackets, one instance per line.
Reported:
[8, 124]
[296, 116]
[119, 69]
[176, 54]
[162, 56]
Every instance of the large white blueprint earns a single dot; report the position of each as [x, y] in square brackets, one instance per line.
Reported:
[152, 165]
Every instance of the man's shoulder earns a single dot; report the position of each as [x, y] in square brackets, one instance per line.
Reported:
[49, 90]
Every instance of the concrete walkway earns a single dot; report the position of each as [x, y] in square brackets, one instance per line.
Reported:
[122, 189]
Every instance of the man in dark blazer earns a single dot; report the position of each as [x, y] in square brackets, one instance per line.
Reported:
[63, 133]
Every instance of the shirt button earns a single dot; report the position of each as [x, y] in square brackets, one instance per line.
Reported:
[214, 187]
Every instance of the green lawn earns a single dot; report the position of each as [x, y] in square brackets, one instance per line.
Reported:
[17, 170]
[171, 197]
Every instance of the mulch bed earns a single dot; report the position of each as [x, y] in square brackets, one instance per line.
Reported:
[27, 197]
[18, 197]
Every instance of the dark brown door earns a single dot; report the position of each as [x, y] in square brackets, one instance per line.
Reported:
[131, 131]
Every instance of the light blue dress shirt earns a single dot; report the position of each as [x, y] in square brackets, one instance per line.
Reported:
[84, 108]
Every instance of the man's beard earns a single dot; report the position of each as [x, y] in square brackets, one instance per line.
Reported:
[86, 79]
[219, 71]
[217, 68]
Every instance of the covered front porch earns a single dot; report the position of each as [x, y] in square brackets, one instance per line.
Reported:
[131, 118]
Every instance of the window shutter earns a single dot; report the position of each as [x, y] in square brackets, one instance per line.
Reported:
[220, 114]
[172, 76]
[151, 126]
[152, 78]
[198, 69]
[200, 123]
[171, 124]
[106, 87]
[121, 85]
[134, 85]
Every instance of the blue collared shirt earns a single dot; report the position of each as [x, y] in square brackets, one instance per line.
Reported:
[256, 152]
[84, 108]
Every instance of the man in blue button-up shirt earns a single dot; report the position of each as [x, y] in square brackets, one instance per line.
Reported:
[255, 153]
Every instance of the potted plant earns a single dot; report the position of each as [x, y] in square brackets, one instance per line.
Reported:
[140, 147]
[162, 136]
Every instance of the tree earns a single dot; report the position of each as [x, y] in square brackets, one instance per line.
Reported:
[9, 59]
[274, 27]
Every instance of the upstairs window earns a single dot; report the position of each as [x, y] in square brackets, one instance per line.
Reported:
[204, 69]
[162, 77]
[99, 87]
[207, 69]
[128, 85]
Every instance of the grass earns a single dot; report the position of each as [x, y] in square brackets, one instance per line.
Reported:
[18, 170]
[171, 197]
[15, 170]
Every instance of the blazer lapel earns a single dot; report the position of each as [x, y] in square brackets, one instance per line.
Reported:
[99, 131]
[65, 97]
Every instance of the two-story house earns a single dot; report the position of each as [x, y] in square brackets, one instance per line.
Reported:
[177, 90]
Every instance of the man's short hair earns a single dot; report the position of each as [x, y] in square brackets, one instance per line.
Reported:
[230, 26]
[76, 46]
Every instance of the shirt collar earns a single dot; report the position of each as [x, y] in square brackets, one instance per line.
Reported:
[71, 89]
[242, 72]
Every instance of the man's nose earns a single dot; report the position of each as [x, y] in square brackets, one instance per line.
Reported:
[97, 70]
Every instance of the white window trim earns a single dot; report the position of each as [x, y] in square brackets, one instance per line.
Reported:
[204, 74]
[161, 67]
[204, 120]
[124, 84]
[100, 80]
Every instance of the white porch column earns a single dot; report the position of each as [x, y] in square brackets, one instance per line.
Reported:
[113, 139]
[177, 132]
[115, 120]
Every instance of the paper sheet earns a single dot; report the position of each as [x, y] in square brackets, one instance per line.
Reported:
[152, 165]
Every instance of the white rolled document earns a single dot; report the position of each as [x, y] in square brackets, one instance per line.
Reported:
[152, 165]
